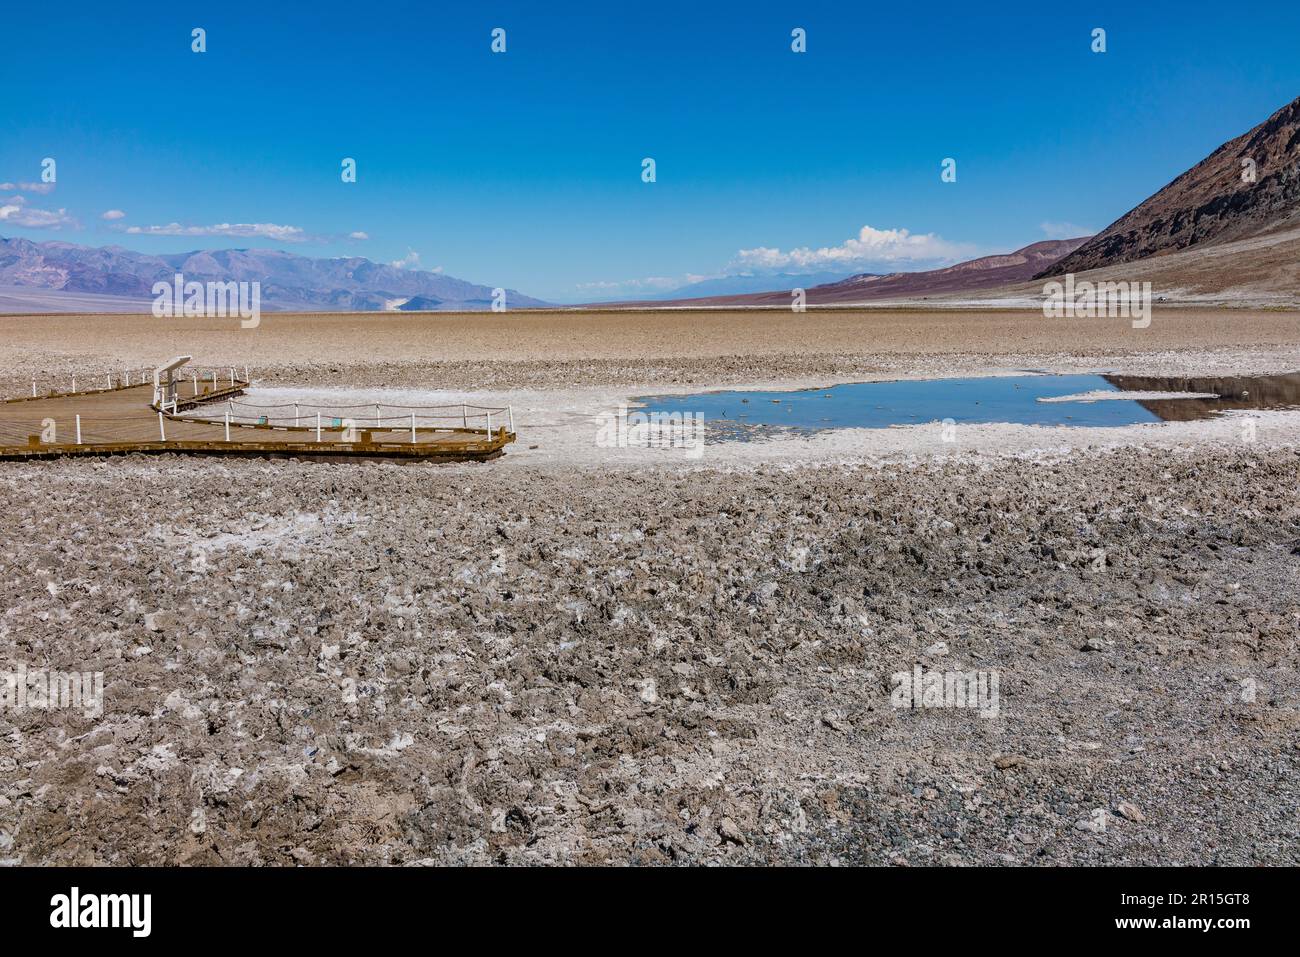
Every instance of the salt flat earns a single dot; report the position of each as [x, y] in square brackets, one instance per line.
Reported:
[580, 654]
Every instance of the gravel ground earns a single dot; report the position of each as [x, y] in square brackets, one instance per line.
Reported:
[387, 664]
[588, 655]
[521, 350]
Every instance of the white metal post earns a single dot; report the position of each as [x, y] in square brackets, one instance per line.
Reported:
[412, 428]
[296, 417]
[78, 430]
[33, 388]
[161, 430]
[377, 415]
[74, 384]
[110, 381]
[196, 382]
[317, 426]
[464, 415]
[232, 377]
[246, 378]
[489, 424]
[510, 412]
[227, 425]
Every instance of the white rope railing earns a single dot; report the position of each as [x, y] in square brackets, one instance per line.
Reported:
[196, 380]
[81, 382]
[370, 415]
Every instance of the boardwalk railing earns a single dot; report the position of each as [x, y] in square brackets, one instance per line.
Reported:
[200, 380]
[205, 413]
[370, 415]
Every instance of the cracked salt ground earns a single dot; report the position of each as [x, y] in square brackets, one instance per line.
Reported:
[305, 529]
[532, 664]
[1136, 591]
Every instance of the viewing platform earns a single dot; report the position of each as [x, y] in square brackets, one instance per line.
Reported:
[175, 409]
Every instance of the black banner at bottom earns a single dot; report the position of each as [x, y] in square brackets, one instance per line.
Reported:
[335, 906]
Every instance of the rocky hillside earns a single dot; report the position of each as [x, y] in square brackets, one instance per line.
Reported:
[1215, 201]
[983, 273]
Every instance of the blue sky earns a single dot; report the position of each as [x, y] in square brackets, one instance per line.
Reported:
[523, 169]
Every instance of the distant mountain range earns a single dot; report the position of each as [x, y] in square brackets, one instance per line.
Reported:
[115, 278]
[987, 272]
[740, 285]
[984, 273]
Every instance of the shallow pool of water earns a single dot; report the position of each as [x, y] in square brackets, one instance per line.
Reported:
[1012, 399]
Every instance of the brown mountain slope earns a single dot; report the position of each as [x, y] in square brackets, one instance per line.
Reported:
[1258, 271]
[983, 273]
[1210, 203]
[975, 274]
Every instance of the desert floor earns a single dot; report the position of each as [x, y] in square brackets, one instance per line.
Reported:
[587, 655]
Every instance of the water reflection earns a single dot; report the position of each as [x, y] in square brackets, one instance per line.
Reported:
[1234, 393]
[992, 399]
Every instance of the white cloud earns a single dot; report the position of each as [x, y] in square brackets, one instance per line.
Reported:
[284, 234]
[15, 212]
[871, 248]
[358, 235]
[113, 214]
[410, 261]
[29, 187]
[1064, 230]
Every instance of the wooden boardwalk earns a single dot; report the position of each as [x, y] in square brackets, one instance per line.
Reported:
[122, 419]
